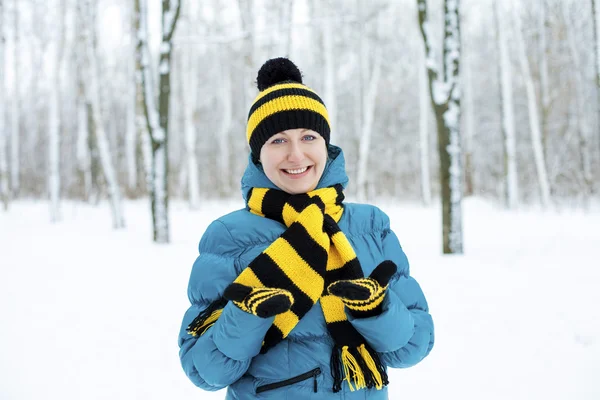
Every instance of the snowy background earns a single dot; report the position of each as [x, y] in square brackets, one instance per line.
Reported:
[92, 313]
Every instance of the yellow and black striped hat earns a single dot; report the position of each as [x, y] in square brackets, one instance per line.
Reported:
[283, 103]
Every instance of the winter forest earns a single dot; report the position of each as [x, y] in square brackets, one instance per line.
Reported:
[109, 100]
[474, 124]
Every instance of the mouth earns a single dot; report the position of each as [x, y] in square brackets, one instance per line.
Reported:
[296, 172]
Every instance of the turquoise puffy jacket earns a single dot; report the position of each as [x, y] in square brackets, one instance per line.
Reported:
[228, 354]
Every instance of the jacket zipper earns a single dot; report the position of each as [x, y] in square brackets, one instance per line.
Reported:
[307, 375]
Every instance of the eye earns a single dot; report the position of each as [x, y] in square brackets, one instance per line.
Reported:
[309, 138]
[277, 141]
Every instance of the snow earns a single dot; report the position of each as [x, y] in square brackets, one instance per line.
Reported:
[92, 313]
[165, 47]
[440, 91]
[163, 69]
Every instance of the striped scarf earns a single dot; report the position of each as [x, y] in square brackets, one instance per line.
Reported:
[311, 254]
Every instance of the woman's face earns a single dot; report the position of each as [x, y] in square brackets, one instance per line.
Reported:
[294, 160]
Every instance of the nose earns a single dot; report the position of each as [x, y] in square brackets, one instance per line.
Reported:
[295, 152]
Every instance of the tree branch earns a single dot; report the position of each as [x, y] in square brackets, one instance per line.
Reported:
[170, 18]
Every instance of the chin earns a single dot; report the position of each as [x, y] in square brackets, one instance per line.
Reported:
[299, 189]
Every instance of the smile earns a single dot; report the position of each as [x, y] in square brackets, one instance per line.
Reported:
[298, 172]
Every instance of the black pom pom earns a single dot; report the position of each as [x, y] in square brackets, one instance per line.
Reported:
[277, 70]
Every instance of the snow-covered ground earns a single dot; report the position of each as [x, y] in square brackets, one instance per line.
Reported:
[91, 313]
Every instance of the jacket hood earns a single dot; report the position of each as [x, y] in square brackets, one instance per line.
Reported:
[334, 173]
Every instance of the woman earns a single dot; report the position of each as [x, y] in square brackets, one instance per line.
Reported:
[300, 295]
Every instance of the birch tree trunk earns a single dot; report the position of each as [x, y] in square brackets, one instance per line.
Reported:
[581, 113]
[330, 75]
[469, 116]
[285, 27]
[140, 116]
[424, 107]
[15, 164]
[4, 188]
[92, 90]
[157, 117]
[596, 24]
[367, 128]
[131, 131]
[190, 106]
[544, 85]
[247, 21]
[223, 141]
[54, 117]
[508, 114]
[37, 50]
[361, 82]
[445, 97]
[534, 120]
[84, 161]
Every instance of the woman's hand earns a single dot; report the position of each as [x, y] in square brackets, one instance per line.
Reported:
[263, 302]
[364, 296]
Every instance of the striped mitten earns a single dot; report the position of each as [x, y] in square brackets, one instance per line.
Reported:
[263, 302]
[363, 297]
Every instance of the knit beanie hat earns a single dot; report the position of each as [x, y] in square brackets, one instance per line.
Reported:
[283, 103]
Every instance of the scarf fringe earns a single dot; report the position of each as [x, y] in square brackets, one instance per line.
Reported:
[206, 318]
[360, 367]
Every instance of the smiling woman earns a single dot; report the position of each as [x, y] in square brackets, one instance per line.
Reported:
[299, 294]
[294, 159]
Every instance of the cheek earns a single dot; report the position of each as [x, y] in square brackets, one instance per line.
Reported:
[270, 165]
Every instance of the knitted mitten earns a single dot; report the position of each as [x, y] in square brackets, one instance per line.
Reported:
[263, 302]
[363, 297]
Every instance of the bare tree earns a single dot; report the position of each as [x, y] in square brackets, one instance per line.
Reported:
[92, 91]
[157, 116]
[367, 126]
[16, 109]
[596, 24]
[330, 70]
[223, 133]
[469, 113]
[508, 113]
[188, 79]
[131, 129]
[544, 79]
[424, 109]
[580, 111]
[4, 188]
[141, 34]
[285, 26]
[54, 182]
[33, 123]
[444, 89]
[534, 120]
[246, 10]
[372, 72]
[84, 157]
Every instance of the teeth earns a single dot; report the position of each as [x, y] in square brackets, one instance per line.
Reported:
[296, 171]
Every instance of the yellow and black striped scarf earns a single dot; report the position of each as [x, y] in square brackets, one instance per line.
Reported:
[311, 254]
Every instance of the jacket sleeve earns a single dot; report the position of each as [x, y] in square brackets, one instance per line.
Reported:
[223, 353]
[403, 333]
